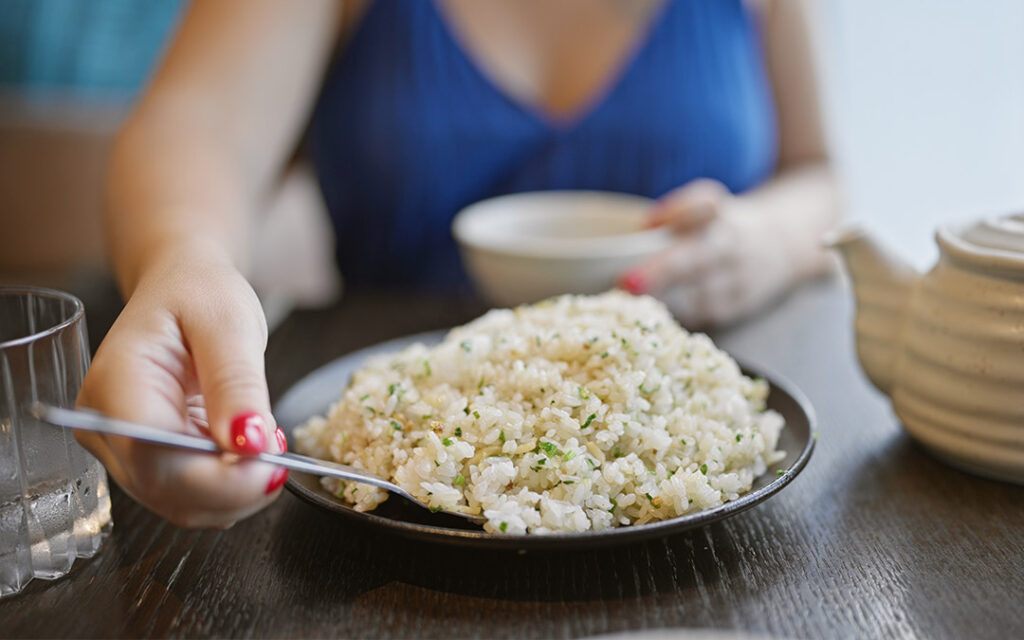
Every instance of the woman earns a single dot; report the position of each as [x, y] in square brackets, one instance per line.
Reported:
[427, 107]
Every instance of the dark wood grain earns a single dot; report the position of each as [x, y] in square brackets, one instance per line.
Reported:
[874, 539]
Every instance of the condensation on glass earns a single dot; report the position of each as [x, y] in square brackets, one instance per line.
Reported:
[54, 500]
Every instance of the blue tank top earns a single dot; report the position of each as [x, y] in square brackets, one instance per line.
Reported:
[408, 130]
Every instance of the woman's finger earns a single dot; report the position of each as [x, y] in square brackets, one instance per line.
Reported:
[688, 260]
[229, 365]
[689, 207]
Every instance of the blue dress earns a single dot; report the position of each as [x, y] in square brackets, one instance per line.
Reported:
[408, 130]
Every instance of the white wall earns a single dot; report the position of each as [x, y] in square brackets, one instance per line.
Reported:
[926, 104]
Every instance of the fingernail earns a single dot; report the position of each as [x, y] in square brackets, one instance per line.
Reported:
[635, 282]
[276, 480]
[247, 433]
[282, 442]
[654, 220]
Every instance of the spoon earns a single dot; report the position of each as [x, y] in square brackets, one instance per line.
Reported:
[90, 421]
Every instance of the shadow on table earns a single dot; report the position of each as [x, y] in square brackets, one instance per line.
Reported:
[332, 558]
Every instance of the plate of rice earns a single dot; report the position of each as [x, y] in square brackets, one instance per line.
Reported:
[579, 420]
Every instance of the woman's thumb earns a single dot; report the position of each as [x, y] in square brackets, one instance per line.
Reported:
[229, 366]
[689, 207]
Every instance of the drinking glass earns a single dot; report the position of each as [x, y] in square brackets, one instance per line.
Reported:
[54, 499]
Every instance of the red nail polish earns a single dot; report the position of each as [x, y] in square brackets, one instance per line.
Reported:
[282, 442]
[276, 480]
[247, 433]
[635, 282]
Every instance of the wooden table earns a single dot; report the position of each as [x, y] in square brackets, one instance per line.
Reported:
[874, 539]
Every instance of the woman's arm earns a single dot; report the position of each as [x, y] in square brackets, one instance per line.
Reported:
[186, 352]
[804, 193]
[737, 252]
[211, 133]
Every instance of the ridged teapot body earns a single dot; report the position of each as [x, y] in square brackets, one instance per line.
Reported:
[948, 346]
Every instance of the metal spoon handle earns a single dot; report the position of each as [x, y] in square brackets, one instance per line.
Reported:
[299, 462]
[88, 421]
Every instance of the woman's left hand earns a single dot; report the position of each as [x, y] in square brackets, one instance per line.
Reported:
[727, 262]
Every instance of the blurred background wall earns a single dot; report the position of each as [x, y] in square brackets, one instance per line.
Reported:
[69, 70]
[925, 100]
[926, 109]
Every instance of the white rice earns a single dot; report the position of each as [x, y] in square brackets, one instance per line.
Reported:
[577, 413]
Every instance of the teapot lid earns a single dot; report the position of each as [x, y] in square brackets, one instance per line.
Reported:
[1006, 233]
[995, 243]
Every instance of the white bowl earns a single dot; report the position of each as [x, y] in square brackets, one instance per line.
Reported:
[525, 247]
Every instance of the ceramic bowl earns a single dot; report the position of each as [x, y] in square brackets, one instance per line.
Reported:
[525, 247]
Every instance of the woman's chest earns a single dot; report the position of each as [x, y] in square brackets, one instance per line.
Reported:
[409, 99]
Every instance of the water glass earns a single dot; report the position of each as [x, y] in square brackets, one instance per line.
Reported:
[54, 500]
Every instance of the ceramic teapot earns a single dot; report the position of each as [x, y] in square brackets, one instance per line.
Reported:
[948, 346]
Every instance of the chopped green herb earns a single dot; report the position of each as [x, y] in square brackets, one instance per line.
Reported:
[542, 461]
[648, 391]
[590, 419]
[436, 463]
[592, 340]
[392, 387]
[550, 448]
[503, 526]
[501, 436]
[569, 456]
[372, 411]
[604, 355]
[427, 417]
[426, 365]
[537, 340]
[583, 393]
[465, 346]
[476, 414]
[447, 442]
[591, 462]
[650, 497]
[568, 482]
[395, 425]
[618, 453]
[434, 509]
[480, 384]
[690, 501]
[465, 410]
[364, 397]
[459, 480]
[780, 472]
[704, 469]
[614, 504]
[739, 436]
[458, 432]
[683, 440]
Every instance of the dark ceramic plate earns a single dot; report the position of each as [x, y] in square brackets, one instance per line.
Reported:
[314, 394]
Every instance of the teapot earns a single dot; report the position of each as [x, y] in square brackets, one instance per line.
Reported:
[948, 346]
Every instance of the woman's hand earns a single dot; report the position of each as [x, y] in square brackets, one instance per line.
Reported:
[727, 262]
[186, 354]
